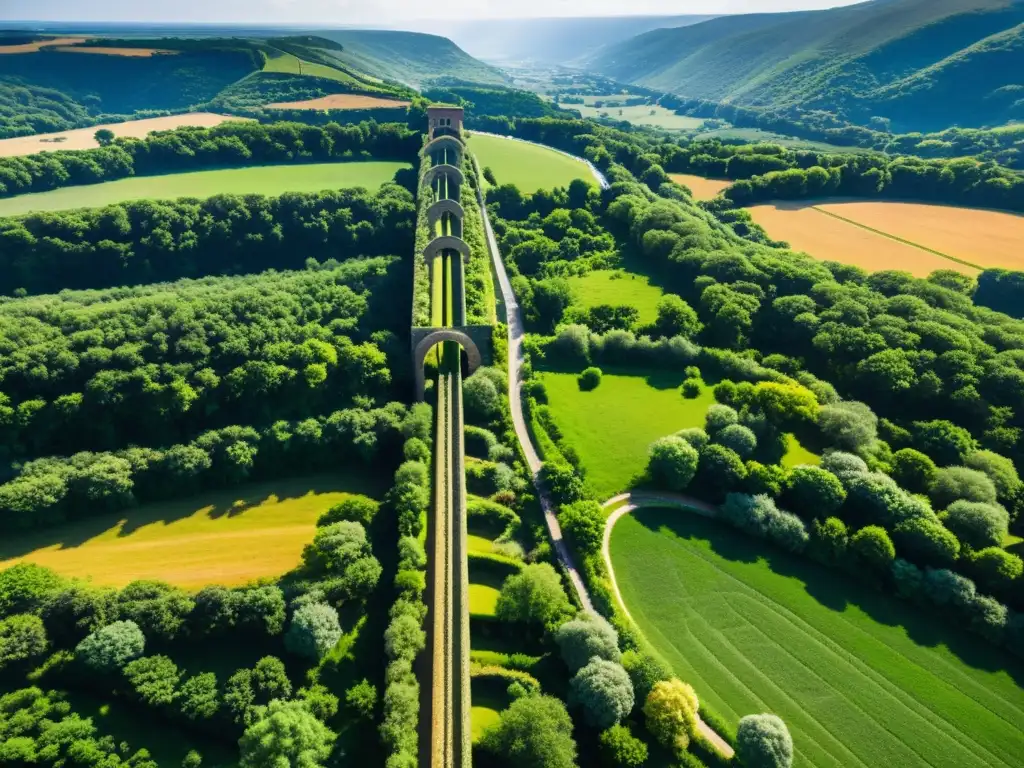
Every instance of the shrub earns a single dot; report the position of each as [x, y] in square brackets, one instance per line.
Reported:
[913, 470]
[695, 436]
[603, 689]
[691, 389]
[534, 596]
[872, 547]
[944, 441]
[621, 749]
[480, 398]
[954, 483]
[356, 509]
[719, 417]
[197, 697]
[720, 470]
[763, 741]
[320, 701]
[586, 637]
[192, 760]
[589, 379]
[999, 469]
[286, 734]
[768, 479]
[670, 712]
[361, 699]
[739, 439]
[977, 525]
[995, 568]
[843, 465]
[927, 541]
[645, 670]
[814, 492]
[848, 426]
[563, 484]
[758, 516]
[154, 679]
[22, 637]
[109, 648]
[314, 630]
[583, 522]
[672, 463]
[533, 731]
[830, 540]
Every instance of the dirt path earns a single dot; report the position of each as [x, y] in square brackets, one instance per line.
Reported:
[635, 501]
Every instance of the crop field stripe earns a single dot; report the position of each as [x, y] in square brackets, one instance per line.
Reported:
[898, 239]
[910, 707]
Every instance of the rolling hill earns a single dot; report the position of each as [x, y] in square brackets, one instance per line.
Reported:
[550, 40]
[412, 58]
[922, 64]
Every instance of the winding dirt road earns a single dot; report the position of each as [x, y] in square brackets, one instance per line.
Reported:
[636, 501]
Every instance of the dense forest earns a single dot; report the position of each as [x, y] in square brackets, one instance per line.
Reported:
[143, 241]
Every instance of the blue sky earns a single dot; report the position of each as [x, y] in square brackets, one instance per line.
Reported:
[326, 12]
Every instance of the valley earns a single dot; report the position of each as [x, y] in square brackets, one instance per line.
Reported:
[382, 397]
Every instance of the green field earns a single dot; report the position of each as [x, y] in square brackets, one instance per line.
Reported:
[634, 411]
[221, 537]
[642, 115]
[261, 179]
[529, 166]
[279, 61]
[859, 678]
[606, 286]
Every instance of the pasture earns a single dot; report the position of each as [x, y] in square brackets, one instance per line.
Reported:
[529, 166]
[271, 180]
[861, 679]
[223, 537]
[827, 237]
[605, 286]
[83, 138]
[341, 101]
[653, 116]
[703, 189]
[635, 410]
[287, 63]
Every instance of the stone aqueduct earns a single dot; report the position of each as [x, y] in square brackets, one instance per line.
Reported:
[445, 135]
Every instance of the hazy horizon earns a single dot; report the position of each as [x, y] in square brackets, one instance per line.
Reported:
[321, 13]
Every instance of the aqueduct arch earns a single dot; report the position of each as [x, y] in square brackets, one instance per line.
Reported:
[441, 207]
[445, 243]
[448, 170]
[434, 337]
[445, 142]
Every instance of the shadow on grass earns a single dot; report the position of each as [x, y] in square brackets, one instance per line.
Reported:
[833, 589]
[214, 505]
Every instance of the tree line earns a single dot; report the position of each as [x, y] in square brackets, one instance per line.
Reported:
[231, 144]
[146, 241]
[155, 365]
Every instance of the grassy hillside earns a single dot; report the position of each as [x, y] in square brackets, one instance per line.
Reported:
[61, 87]
[924, 64]
[408, 57]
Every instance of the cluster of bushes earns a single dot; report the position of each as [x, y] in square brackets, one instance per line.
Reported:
[234, 143]
[145, 241]
[52, 490]
[848, 514]
[405, 637]
[156, 364]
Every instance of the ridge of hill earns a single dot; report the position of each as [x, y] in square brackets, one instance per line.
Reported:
[919, 64]
[413, 58]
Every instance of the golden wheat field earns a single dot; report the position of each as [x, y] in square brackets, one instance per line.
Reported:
[134, 53]
[221, 537]
[703, 189]
[34, 47]
[82, 138]
[913, 237]
[340, 101]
